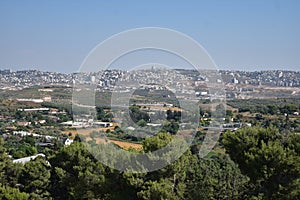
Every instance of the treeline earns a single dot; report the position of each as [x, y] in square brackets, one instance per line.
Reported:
[260, 164]
[266, 106]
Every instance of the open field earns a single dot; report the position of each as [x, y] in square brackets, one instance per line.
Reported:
[86, 133]
[126, 145]
[164, 108]
[122, 144]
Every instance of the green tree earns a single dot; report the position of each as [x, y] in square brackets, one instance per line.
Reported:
[288, 108]
[9, 172]
[272, 109]
[9, 193]
[217, 178]
[157, 190]
[35, 178]
[269, 158]
[156, 142]
[77, 175]
[141, 123]
[229, 113]
[171, 127]
[136, 114]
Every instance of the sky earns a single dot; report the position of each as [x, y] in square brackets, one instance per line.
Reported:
[57, 35]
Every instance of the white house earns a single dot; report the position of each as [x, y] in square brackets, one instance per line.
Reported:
[68, 142]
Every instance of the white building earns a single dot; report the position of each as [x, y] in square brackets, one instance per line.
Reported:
[27, 159]
[68, 142]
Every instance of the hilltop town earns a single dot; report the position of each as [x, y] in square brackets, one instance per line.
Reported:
[237, 84]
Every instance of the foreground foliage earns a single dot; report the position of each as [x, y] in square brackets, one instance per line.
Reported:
[260, 164]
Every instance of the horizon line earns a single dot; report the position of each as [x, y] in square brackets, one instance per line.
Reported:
[218, 69]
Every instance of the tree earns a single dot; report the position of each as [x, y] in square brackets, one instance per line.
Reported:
[171, 127]
[157, 190]
[100, 113]
[259, 117]
[35, 178]
[141, 123]
[8, 193]
[168, 182]
[157, 142]
[269, 158]
[22, 150]
[288, 108]
[9, 172]
[272, 109]
[3, 160]
[136, 114]
[77, 175]
[217, 178]
[229, 113]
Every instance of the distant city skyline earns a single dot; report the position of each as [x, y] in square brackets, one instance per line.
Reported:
[56, 36]
[2, 69]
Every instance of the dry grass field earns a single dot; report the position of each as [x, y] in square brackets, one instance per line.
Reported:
[122, 144]
[86, 133]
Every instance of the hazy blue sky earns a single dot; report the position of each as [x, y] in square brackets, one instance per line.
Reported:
[56, 35]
